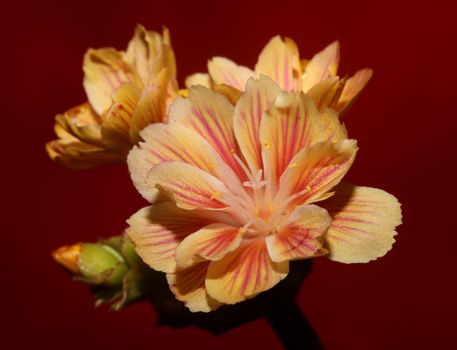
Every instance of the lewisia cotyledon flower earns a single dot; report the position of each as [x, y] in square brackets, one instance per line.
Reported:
[126, 91]
[280, 60]
[238, 192]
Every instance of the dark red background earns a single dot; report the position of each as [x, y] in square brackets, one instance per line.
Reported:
[405, 122]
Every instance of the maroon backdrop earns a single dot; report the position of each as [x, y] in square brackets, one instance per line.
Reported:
[405, 123]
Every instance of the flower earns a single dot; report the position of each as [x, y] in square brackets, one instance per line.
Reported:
[113, 269]
[126, 91]
[238, 192]
[280, 60]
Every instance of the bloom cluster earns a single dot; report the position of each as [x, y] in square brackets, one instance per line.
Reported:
[242, 169]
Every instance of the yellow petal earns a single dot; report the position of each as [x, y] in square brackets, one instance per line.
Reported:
[280, 61]
[188, 286]
[244, 273]
[353, 88]
[157, 231]
[82, 123]
[257, 99]
[116, 123]
[224, 71]
[105, 71]
[211, 242]
[211, 116]
[188, 186]
[315, 170]
[151, 106]
[229, 92]
[323, 65]
[302, 236]
[74, 154]
[327, 93]
[364, 221]
[198, 79]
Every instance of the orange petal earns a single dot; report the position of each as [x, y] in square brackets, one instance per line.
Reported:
[105, 71]
[280, 61]
[210, 115]
[224, 71]
[327, 92]
[323, 65]
[302, 236]
[315, 170]
[244, 273]
[188, 186]
[211, 242]
[188, 286]
[257, 99]
[157, 231]
[364, 221]
[353, 87]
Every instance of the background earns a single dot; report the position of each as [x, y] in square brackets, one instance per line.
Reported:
[405, 122]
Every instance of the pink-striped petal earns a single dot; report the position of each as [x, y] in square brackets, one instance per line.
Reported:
[280, 60]
[104, 71]
[364, 221]
[323, 65]
[316, 170]
[188, 286]
[290, 125]
[302, 236]
[212, 242]
[257, 99]
[175, 142]
[224, 71]
[157, 231]
[210, 115]
[244, 273]
[188, 186]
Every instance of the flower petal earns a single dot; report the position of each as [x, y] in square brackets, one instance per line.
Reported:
[198, 79]
[323, 65]
[188, 186]
[188, 286]
[157, 231]
[364, 221]
[210, 115]
[290, 125]
[151, 107]
[150, 52]
[315, 170]
[169, 142]
[327, 93]
[302, 236]
[280, 61]
[81, 122]
[353, 87]
[212, 242]
[105, 71]
[116, 122]
[224, 71]
[244, 273]
[257, 99]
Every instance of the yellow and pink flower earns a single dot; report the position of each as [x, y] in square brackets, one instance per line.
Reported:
[280, 60]
[126, 91]
[238, 191]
